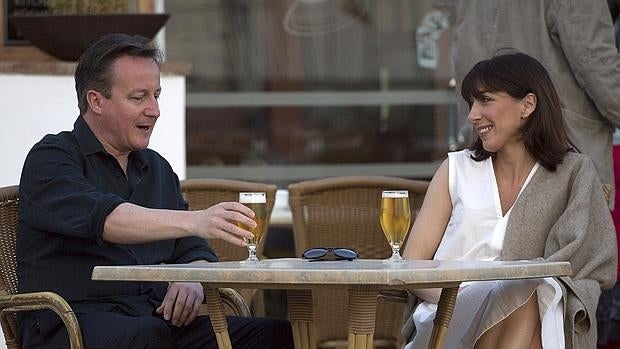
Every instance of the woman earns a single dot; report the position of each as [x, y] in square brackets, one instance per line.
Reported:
[517, 193]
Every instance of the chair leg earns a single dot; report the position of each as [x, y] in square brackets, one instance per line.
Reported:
[218, 319]
[9, 332]
[445, 308]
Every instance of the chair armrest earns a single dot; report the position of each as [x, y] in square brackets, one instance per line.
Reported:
[10, 303]
[233, 301]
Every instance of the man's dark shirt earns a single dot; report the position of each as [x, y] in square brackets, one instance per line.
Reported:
[69, 185]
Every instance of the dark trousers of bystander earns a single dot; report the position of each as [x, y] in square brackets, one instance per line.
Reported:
[608, 312]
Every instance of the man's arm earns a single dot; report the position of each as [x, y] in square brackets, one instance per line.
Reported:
[133, 224]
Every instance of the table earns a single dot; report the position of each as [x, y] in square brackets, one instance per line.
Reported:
[363, 279]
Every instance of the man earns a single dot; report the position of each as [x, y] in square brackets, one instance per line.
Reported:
[98, 196]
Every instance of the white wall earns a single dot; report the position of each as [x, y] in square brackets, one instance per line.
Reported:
[34, 105]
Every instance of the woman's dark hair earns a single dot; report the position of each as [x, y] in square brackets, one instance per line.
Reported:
[94, 69]
[518, 74]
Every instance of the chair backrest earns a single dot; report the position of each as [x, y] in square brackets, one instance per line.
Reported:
[201, 193]
[344, 212]
[9, 202]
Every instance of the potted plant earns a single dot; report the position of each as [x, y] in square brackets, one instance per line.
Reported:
[73, 7]
[70, 26]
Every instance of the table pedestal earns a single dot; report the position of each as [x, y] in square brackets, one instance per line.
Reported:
[362, 310]
[301, 315]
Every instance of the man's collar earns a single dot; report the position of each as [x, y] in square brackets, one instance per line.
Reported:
[86, 138]
[91, 145]
[137, 158]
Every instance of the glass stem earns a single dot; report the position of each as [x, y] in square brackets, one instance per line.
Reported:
[396, 252]
[252, 252]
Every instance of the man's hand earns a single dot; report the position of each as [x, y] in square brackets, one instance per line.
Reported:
[220, 221]
[181, 303]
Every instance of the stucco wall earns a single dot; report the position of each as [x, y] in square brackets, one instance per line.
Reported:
[34, 105]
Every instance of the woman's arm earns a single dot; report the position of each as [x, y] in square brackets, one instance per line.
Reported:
[429, 225]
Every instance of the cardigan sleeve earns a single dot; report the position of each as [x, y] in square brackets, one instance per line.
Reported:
[584, 236]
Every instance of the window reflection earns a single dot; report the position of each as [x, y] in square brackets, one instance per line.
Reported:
[293, 82]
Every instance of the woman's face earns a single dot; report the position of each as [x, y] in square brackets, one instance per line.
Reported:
[497, 118]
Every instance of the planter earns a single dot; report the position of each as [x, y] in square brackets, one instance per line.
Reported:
[67, 36]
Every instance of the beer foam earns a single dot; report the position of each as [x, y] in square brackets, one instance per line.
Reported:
[252, 198]
[395, 194]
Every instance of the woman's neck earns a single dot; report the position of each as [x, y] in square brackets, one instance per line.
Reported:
[511, 171]
[515, 171]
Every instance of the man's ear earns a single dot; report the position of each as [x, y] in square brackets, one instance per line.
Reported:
[94, 100]
[529, 104]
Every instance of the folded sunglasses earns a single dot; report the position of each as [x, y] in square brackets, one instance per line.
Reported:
[315, 254]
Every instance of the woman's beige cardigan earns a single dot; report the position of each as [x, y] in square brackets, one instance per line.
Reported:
[563, 216]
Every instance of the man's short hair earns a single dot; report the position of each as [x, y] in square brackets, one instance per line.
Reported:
[94, 69]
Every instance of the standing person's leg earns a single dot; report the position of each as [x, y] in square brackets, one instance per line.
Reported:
[245, 333]
[609, 301]
[101, 330]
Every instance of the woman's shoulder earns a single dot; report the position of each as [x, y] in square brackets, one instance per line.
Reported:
[465, 153]
[460, 156]
[576, 161]
[463, 168]
[574, 156]
[574, 166]
[465, 158]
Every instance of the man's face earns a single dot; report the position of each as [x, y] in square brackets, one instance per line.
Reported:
[129, 115]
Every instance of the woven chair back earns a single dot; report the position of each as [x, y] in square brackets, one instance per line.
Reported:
[204, 193]
[9, 204]
[344, 212]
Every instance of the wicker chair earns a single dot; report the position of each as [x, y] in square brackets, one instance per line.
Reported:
[344, 211]
[11, 301]
[201, 193]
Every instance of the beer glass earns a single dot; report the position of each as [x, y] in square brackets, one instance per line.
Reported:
[395, 219]
[257, 202]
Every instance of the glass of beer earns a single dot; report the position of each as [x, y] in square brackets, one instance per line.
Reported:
[257, 202]
[395, 220]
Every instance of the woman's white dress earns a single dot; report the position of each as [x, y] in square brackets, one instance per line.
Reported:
[476, 232]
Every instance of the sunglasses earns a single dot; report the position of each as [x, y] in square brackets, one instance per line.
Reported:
[329, 254]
